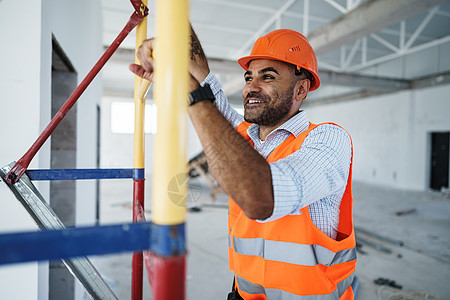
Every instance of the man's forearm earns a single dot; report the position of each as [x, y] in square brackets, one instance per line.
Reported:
[241, 171]
[198, 67]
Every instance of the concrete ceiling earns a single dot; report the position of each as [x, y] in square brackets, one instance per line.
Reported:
[363, 47]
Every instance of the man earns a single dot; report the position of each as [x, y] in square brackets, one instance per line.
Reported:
[289, 181]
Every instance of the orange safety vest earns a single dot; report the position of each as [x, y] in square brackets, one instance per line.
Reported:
[290, 258]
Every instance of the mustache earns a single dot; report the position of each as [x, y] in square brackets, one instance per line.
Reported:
[257, 95]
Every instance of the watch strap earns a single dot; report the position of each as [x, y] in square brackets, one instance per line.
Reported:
[200, 94]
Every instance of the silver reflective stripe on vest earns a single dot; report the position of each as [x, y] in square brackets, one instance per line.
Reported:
[275, 294]
[299, 254]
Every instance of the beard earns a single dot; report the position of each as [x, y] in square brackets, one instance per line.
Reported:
[274, 110]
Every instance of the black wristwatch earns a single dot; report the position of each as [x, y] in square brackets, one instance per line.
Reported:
[200, 94]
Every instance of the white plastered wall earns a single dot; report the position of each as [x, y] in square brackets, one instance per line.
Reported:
[25, 105]
[391, 134]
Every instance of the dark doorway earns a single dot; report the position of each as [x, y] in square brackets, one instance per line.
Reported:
[97, 182]
[439, 160]
[63, 156]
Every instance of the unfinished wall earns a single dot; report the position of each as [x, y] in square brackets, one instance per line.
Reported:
[391, 133]
[25, 85]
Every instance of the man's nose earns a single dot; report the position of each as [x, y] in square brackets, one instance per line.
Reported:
[251, 86]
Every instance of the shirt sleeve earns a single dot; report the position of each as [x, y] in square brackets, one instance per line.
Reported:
[221, 101]
[318, 170]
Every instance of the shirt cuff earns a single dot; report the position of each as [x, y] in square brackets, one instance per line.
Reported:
[213, 82]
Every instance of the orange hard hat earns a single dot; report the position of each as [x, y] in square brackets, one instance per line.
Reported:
[288, 46]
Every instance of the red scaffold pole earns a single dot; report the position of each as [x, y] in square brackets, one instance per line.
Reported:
[137, 265]
[22, 164]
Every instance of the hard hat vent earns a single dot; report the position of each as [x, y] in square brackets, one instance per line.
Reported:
[295, 48]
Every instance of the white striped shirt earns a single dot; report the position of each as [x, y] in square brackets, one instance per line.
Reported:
[314, 176]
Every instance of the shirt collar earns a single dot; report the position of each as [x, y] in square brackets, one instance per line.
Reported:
[295, 125]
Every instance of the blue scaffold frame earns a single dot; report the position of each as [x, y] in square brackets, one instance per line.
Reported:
[95, 240]
[164, 240]
[84, 174]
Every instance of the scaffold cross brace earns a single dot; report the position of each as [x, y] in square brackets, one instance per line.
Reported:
[22, 164]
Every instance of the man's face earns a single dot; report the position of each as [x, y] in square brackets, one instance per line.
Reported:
[268, 92]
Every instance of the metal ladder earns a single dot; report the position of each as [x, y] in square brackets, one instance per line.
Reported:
[46, 219]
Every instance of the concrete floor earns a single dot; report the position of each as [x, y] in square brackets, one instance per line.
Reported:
[420, 266]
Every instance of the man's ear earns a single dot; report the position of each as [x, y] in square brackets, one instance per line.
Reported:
[301, 89]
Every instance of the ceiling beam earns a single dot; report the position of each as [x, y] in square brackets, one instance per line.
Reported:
[415, 84]
[431, 81]
[115, 89]
[368, 18]
[358, 95]
[232, 68]
[368, 83]
[362, 81]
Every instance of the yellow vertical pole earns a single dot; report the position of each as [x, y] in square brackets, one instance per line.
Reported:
[138, 162]
[170, 93]
[139, 101]
[169, 188]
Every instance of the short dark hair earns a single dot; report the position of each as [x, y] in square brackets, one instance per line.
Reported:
[307, 73]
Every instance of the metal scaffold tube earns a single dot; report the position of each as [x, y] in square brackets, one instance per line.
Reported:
[169, 188]
[140, 89]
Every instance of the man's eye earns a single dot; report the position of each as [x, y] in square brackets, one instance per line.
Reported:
[268, 77]
[247, 79]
